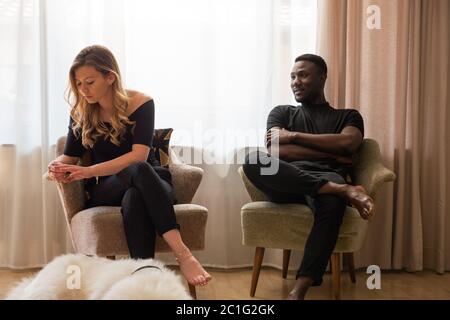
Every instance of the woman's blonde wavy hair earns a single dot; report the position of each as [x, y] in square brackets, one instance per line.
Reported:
[86, 116]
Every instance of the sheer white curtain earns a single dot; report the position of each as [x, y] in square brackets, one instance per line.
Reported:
[214, 68]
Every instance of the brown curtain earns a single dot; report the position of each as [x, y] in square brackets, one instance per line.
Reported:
[398, 78]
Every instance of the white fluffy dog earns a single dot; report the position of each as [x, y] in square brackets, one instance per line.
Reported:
[76, 276]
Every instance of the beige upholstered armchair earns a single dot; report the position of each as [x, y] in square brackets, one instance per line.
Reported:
[99, 230]
[286, 226]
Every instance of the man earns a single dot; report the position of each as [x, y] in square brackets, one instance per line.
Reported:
[312, 146]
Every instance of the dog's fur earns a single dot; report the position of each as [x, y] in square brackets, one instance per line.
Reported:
[102, 279]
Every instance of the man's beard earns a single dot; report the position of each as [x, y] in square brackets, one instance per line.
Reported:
[310, 98]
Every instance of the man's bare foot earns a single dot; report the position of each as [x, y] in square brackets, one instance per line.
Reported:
[358, 197]
[293, 295]
[192, 270]
[300, 288]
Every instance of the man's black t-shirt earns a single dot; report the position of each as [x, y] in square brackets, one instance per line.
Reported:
[141, 132]
[316, 119]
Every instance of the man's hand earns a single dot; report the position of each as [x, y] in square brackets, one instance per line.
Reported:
[279, 135]
[67, 173]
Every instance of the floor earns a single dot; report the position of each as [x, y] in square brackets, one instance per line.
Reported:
[235, 285]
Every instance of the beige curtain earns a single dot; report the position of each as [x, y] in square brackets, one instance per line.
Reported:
[398, 77]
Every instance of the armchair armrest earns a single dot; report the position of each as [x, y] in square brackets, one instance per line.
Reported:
[255, 193]
[369, 171]
[185, 179]
[373, 177]
[72, 196]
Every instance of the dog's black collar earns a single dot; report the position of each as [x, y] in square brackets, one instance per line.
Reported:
[145, 267]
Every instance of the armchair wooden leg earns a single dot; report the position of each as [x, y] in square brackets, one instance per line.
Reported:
[259, 255]
[349, 261]
[286, 257]
[336, 275]
[192, 291]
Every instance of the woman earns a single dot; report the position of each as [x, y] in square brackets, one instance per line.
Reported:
[116, 127]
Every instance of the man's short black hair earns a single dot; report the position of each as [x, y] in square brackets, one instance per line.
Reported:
[317, 60]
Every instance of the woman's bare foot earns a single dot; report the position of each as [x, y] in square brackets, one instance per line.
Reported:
[358, 197]
[191, 269]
